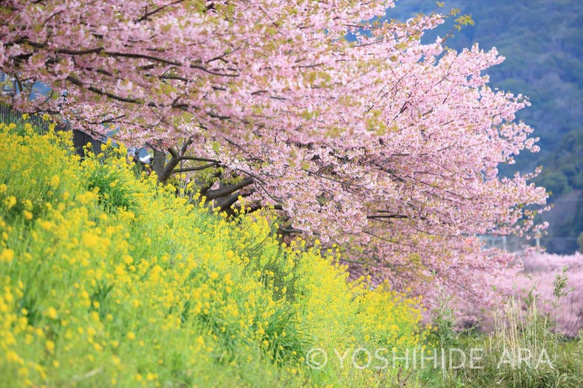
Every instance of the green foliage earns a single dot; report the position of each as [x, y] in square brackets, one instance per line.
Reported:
[566, 163]
[556, 183]
[444, 322]
[113, 185]
[563, 174]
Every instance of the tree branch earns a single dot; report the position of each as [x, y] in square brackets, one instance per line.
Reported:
[224, 191]
[191, 169]
[148, 14]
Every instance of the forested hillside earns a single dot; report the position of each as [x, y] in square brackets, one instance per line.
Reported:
[541, 41]
[564, 177]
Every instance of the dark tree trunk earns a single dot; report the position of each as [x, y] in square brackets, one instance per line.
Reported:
[159, 163]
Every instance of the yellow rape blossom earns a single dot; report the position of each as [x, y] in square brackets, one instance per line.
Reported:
[54, 182]
[7, 256]
[10, 202]
[51, 313]
[181, 279]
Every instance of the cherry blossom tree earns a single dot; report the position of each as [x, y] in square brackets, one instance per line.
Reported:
[381, 144]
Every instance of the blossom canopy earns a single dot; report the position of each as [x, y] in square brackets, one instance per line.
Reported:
[383, 144]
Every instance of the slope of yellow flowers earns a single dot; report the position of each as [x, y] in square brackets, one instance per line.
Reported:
[108, 279]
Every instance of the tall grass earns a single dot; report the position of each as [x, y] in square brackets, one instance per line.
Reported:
[524, 350]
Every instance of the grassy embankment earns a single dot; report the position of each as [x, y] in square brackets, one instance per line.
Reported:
[107, 278]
